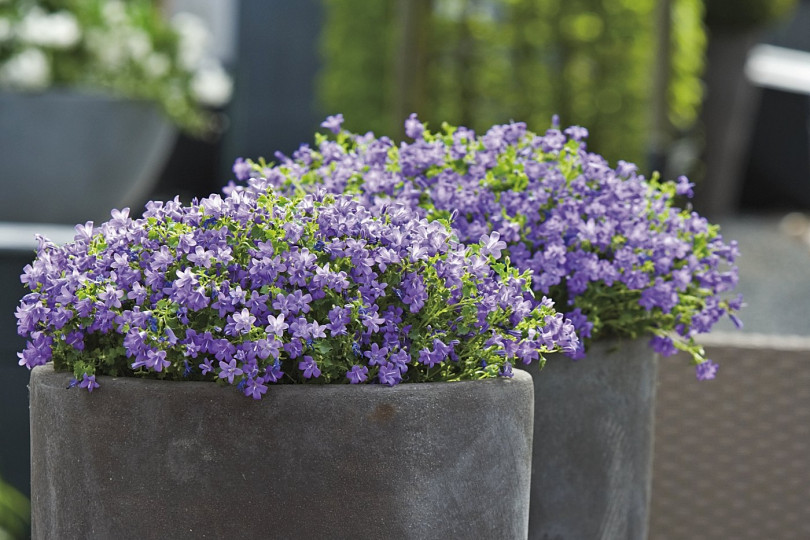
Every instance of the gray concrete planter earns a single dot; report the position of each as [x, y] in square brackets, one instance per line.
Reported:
[593, 441]
[148, 459]
[68, 157]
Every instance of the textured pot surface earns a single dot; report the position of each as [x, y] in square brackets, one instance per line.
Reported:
[593, 435]
[148, 459]
[68, 157]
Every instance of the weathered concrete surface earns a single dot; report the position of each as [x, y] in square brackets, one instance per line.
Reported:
[593, 436]
[148, 459]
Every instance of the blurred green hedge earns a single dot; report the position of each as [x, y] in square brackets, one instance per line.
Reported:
[480, 62]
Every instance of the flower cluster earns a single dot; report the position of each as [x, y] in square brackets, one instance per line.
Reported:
[607, 244]
[254, 288]
[124, 48]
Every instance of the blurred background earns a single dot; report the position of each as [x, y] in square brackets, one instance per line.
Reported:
[718, 90]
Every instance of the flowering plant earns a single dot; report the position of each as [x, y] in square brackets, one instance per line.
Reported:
[124, 48]
[606, 243]
[255, 288]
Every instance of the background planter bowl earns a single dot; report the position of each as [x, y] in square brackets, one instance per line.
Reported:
[68, 157]
[189, 459]
[593, 443]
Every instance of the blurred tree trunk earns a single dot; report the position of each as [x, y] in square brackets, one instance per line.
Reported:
[411, 59]
[661, 128]
[465, 60]
[727, 117]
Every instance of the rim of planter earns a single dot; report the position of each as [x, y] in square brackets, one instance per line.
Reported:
[420, 460]
[72, 155]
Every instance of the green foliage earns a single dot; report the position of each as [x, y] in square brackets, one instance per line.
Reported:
[15, 513]
[357, 45]
[685, 93]
[588, 61]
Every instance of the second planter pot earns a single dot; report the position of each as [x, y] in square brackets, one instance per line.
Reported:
[593, 435]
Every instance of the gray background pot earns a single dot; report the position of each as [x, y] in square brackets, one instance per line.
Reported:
[593, 442]
[139, 458]
[68, 157]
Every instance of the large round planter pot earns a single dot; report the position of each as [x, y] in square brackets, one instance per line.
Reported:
[68, 157]
[593, 441]
[145, 459]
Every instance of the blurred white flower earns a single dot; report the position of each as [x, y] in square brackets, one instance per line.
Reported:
[114, 12]
[211, 85]
[59, 30]
[138, 44]
[109, 52]
[28, 70]
[194, 38]
[157, 65]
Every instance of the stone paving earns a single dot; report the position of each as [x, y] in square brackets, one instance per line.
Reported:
[774, 273]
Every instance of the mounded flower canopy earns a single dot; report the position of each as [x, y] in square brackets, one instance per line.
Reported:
[608, 245]
[254, 288]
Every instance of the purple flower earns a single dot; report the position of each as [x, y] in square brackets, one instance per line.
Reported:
[276, 325]
[294, 348]
[684, 187]
[241, 169]
[577, 133]
[138, 293]
[76, 340]
[120, 218]
[240, 323]
[254, 388]
[309, 367]
[428, 358]
[89, 382]
[376, 355]
[201, 257]
[357, 374]
[228, 370]
[333, 123]
[274, 372]
[317, 330]
[300, 328]
[400, 360]
[371, 320]
[663, 345]
[338, 319]
[506, 370]
[156, 360]
[283, 304]
[389, 375]
[206, 366]
[706, 370]
[413, 127]
[111, 296]
[491, 244]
